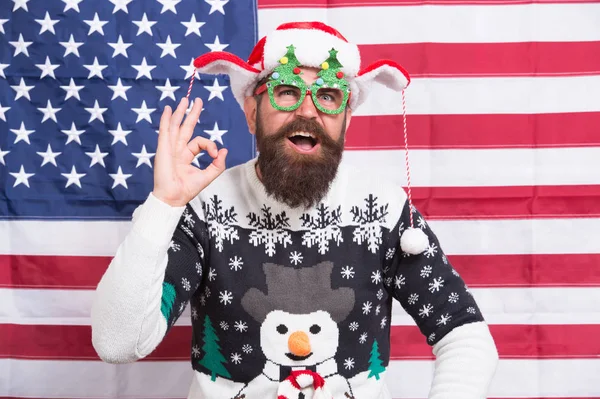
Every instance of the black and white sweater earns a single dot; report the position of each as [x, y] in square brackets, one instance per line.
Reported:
[274, 289]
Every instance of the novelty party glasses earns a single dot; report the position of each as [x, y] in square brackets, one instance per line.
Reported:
[288, 97]
[287, 89]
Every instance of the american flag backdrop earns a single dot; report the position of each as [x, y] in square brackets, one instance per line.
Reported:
[504, 130]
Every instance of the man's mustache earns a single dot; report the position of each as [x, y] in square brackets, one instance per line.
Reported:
[301, 124]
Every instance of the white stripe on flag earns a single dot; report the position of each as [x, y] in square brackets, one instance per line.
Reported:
[484, 167]
[406, 379]
[458, 237]
[443, 24]
[538, 305]
[488, 95]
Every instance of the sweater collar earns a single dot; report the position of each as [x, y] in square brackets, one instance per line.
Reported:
[276, 372]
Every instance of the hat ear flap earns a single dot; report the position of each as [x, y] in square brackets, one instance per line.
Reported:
[241, 74]
[385, 72]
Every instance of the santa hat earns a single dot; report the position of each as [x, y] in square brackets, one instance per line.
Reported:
[312, 43]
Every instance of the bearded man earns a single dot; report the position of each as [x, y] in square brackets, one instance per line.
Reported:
[290, 262]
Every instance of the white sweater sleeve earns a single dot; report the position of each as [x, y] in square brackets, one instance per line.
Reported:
[466, 361]
[126, 318]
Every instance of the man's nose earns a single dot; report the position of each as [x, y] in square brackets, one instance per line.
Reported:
[307, 108]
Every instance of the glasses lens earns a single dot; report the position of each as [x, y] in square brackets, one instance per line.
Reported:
[287, 95]
[330, 98]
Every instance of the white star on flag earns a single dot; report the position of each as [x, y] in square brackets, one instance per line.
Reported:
[144, 69]
[21, 46]
[121, 5]
[119, 178]
[216, 46]
[3, 112]
[97, 156]
[215, 90]
[195, 161]
[167, 90]
[22, 134]
[72, 90]
[217, 5]
[73, 177]
[143, 157]
[71, 47]
[49, 156]
[189, 70]
[96, 112]
[169, 5]
[144, 25]
[119, 135]
[216, 134]
[95, 69]
[21, 177]
[20, 4]
[47, 68]
[120, 47]
[2, 154]
[2, 68]
[49, 112]
[143, 112]
[73, 134]
[96, 25]
[72, 5]
[193, 26]
[168, 48]
[119, 90]
[47, 24]
[22, 90]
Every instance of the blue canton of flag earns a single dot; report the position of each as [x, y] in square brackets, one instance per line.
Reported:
[83, 84]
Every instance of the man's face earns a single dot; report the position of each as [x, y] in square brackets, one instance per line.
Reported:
[300, 150]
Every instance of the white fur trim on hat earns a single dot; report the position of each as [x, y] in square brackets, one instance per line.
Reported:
[312, 48]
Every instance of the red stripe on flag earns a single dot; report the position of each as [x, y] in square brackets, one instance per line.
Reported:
[509, 202]
[474, 131]
[70, 272]
[481, 271]
[513, 341]
[64, 272]
[387, 3]
[489, 59]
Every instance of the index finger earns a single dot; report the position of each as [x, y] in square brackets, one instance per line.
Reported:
[163, 127]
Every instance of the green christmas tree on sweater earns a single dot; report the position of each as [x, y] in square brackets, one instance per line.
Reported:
[167, 300]
[213, 360]
[375, 363]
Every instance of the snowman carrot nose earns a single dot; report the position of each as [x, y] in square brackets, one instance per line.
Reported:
[299, 344]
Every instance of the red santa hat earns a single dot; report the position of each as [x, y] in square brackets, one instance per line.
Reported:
[312, 42]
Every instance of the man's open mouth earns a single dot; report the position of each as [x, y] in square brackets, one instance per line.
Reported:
[296, 357]
[303, 141]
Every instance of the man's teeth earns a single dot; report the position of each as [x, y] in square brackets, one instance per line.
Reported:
[303, 134]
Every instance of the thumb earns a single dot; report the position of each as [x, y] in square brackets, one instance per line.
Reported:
[217, 166]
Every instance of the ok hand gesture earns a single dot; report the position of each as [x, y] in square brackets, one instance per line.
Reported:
[176, 180]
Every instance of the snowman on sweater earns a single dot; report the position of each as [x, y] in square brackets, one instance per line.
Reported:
[299, 318]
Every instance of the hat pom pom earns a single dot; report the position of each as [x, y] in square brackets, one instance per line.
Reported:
[414, 241]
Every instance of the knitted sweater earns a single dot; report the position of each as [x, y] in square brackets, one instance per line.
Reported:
[274, 289]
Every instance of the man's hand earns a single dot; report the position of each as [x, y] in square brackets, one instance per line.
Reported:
[176, 180]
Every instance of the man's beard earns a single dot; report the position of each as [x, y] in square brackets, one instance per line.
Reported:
[293, 178]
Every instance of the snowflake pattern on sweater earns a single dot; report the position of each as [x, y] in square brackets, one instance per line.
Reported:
[273, 289]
